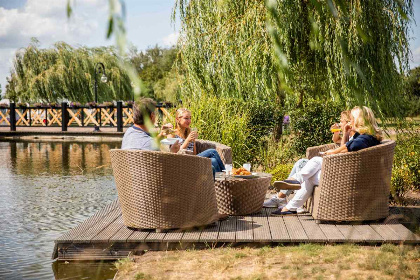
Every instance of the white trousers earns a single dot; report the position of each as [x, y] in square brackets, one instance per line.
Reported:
[308, 177]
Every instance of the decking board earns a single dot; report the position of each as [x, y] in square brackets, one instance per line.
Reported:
[192, 235]
[105, 237]
[386, 232]
[368, 233]
[295, 229]
[277, 227]
[312, 229]
[121, 235]
[332, 233]
[350, 233]
[109, 231]
[95, 229]
[227, 232]
[68, 236]
[244, 229]
[210, 233]
[404, 233]
[138, 236]
[261, 228]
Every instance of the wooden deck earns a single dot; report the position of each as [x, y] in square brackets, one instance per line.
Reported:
[104, 237]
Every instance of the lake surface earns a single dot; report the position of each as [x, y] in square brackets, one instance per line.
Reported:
[47, 189]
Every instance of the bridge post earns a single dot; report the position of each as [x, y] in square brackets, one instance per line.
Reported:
[12, 115]
[119, 116]
[64, 116]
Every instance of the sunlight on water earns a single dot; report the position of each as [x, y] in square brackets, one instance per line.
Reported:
[47, 189]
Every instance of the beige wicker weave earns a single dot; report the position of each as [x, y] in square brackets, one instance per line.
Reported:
[353, 186]
[224, 151]
[236, 196]
[158, 190]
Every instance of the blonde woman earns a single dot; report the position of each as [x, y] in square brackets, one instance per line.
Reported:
[280, 199]
[367, 134]
[187, 139]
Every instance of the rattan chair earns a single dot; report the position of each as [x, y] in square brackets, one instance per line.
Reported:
[353, 186]
[224, 151]
[159, 190]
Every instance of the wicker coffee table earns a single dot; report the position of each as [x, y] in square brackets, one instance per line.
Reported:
[238, 196]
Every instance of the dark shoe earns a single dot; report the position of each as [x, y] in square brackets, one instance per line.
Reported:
[279, 213]
[287, 185]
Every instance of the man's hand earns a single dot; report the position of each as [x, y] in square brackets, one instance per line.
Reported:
[175, 147]
[164, 128]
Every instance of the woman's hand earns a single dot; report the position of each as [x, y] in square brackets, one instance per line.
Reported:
[175, 147]
[342, 149]
[329, 152]
[192, 136]
[335, 126]
[346, 128]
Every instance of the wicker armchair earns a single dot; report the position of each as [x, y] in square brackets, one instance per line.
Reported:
[159, 190]
[224, 151]
[353, 186]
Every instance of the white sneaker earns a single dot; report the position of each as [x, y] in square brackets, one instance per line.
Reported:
[301, 210]
[275, 202]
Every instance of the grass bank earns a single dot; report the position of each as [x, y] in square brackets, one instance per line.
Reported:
[307, 261]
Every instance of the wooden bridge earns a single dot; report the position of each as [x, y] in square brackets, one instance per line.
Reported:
[64, 117]
[104, 236]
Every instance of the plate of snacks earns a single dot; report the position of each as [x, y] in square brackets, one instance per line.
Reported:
[243, 173]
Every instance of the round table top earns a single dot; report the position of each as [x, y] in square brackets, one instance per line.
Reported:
[259, 175]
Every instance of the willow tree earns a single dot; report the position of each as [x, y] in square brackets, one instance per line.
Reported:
[226, 51]
[352, 51]
[65, 72]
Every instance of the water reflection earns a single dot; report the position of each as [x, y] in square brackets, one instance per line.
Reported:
[48, 188]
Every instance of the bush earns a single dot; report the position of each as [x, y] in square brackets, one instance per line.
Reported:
[280, 172]
[242, 125]
[406, 167]
[311, 124]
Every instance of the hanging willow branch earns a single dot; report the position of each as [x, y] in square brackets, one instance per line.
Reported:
[64, 72]
[353, 51]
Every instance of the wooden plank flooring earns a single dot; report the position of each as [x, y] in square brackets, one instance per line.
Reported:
[104, 236]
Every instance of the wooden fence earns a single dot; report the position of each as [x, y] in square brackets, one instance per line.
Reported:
[97, 116]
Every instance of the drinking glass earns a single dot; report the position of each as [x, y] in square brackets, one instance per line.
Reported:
[247, 166]
[228, 168]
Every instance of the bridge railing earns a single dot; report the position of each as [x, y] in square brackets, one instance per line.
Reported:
[65, 116]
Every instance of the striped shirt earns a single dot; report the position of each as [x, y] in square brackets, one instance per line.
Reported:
[190, 146]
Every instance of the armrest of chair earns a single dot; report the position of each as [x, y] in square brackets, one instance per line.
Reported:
[314, 151]
[224, 151]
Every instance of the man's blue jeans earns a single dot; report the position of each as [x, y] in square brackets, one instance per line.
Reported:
[216, 161]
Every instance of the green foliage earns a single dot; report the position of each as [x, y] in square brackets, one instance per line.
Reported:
[154, 66]
[348, 50]
[226, 51]
[406, 167]
[280, 172]
[64, 72]
[223, 120]
[413, 82]
[242, 125]
[311, 124]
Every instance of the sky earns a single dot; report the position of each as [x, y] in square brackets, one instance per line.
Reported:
[148, 22]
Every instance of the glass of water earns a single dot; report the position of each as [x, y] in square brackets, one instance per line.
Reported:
[247, 166]
[228, 168]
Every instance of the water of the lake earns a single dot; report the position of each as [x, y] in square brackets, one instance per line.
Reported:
[45, 190]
